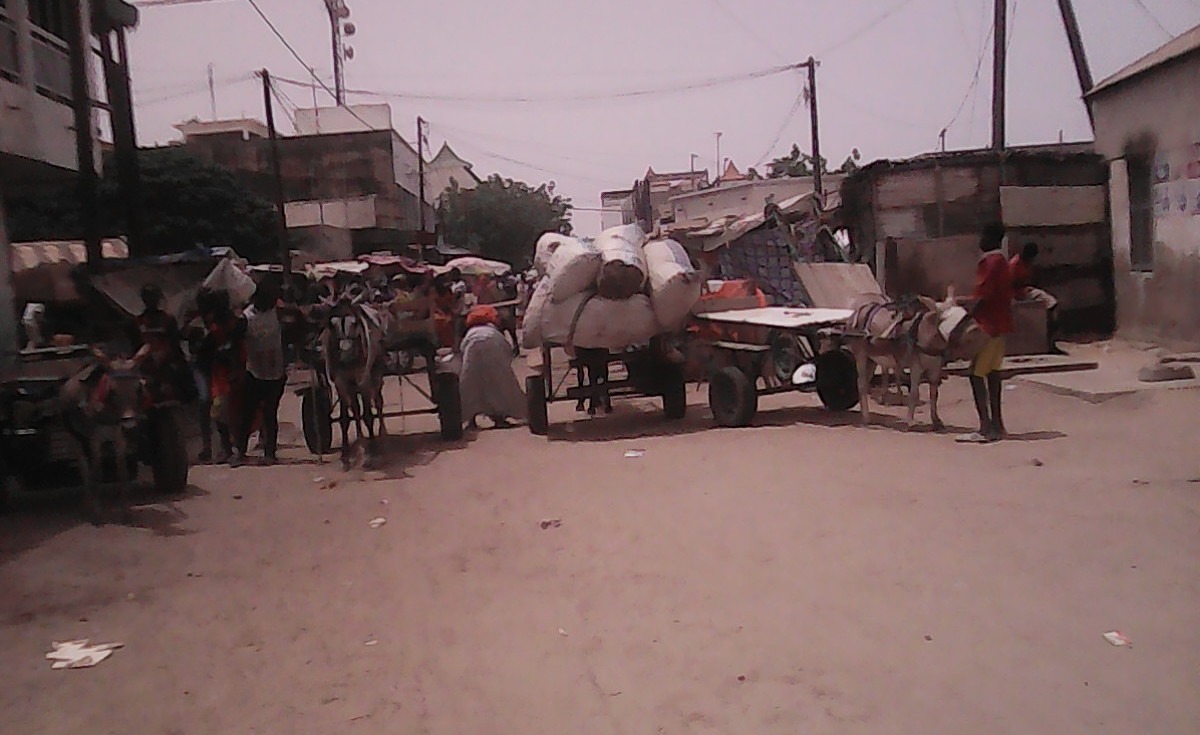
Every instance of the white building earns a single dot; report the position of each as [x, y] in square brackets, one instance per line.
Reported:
[616, 208]
[447, 167]
[740, 198]
[37, 125]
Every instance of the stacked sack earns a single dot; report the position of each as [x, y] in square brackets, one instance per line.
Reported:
[616, 292]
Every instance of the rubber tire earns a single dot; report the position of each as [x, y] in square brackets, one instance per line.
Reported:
[535, 402]
[837, 380]
[169, 461]
[674, 392]
[449, 405]
[732, 398]
[316, 418]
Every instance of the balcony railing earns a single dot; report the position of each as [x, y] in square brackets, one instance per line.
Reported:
[51, 66]
[10, 60]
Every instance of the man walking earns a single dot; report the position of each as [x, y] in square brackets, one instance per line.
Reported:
[266, 374]
[993, 299]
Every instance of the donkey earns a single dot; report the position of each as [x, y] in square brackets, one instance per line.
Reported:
[917, 335]
[353, 345]
[98, 405]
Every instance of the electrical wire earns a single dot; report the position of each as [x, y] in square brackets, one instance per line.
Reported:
[767, 44]
[863, 30]
[608, 182]
[589, 97]
[161, 3]
[1149, 14]
[974, 78]
[787, 119]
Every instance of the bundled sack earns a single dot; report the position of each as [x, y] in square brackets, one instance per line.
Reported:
[623, 272]
[531, 324]
[546, 245]
[674, 282]
[603, 323]
[572, 269]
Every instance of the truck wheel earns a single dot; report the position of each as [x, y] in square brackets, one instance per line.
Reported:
[674, 392]
[169, 463]
[449, 406]
[837, 380]
[535, 401]
[316, 418]
[732, 397]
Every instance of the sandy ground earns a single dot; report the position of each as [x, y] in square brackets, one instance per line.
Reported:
[806, 575]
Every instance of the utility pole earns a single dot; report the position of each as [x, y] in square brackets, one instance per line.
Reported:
[80, 45]
[336, 8]
[816, 130]
[212, 94]
[720, 170]
[421, 187]
[1082, 70]
[281, 220]
[999, 73]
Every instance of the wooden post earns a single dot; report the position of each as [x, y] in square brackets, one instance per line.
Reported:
[1082, 71]
[816, 132]
[81, 103]
[281, 220]
[999, 73]
[421, 188]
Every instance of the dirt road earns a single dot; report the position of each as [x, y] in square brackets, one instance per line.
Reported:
[805, 575]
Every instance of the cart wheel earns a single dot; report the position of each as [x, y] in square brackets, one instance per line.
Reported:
[732, 397]
[535, 399]
[169, 462]
[449, 406]
[316, 418]
[837, 380]
[674, 392]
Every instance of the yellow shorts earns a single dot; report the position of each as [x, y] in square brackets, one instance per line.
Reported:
[989, 359]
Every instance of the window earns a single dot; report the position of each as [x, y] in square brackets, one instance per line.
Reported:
[50, 16]
[10, 67]
[51, 54]
[1141, 212]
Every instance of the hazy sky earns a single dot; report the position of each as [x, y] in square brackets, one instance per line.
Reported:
[887, 91]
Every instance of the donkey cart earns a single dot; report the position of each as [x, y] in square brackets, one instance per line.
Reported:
[771, 350]
[601, 375]
[405, 360]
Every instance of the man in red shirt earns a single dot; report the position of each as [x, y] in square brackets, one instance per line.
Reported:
[1021, 266]
[993, 299]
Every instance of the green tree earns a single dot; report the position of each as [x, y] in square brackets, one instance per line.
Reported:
[501, 219]
[797, 163]
[186, 203]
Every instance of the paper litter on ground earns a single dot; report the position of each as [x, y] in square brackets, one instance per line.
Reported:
[377, 522]
[79, 654]
[1117, 638]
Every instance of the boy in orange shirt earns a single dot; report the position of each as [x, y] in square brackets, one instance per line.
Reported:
[993, 299]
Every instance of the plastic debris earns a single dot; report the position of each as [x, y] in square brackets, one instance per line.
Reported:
[1117, 638]
[377, 522]
[371, 642]
[550, 523]
[635, 453]
[562, 632]
[319, 479]
[79, 654]
[805, 374]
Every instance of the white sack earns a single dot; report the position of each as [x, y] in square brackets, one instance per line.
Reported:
[531, 325]
[623, 272]
[674, 283]
[228, 277]
[603, 324]
[572, 269]
[546, 245]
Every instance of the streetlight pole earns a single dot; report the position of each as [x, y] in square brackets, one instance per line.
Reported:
[720, 171]
[337, 11]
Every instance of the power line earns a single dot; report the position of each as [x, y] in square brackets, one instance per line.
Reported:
[975, 77]
[589, 97]
[787, 119]
[864, 29]
[1154, 18]
[160, 3]
[526, 164]
[748, 29]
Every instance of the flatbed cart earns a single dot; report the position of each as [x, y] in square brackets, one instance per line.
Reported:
[802, 353]
[639, 372]
[406, 360]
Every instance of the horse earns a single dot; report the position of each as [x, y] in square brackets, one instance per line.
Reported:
[917, 335]
[353, 346]
[97, 406]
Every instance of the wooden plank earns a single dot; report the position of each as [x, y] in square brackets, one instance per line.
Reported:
[836, 285]
[1030, 365]
[1038, 206]
[780, 317]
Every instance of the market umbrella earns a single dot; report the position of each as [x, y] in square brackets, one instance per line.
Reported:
[472, 265]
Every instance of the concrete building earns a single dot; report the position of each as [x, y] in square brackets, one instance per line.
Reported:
[345, 168]
[657, 189]
[616, 208]
[739, 197]
[37, 125]
[1148, 130]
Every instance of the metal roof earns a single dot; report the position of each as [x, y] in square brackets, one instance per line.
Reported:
[1182, 45]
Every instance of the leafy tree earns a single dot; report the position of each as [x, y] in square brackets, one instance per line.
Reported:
[186, 203]
[797, 163]
[501, 219]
